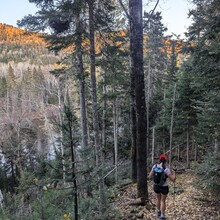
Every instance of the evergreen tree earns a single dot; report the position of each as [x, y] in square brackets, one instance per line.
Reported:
[70, 27]
[205, 59]
[3, 87]
[113, 90]
[156, 62]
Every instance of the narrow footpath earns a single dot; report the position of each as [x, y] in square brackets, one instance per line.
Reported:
[186, 204]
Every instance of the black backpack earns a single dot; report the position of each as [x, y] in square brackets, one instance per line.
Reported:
[159, 176]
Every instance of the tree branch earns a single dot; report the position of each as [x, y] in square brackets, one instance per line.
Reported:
[125, 10]
[151, 12]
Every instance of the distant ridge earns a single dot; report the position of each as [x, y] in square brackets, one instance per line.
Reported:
[14, 35]
[22, 46]
[10, 35]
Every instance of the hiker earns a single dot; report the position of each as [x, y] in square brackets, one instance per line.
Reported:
[161, 187]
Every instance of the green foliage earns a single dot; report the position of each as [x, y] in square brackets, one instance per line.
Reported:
[3, 177]
[38, 203]
[53, 99]
[204, 67]
[163, 117]
[156, 58]
[208, 174]
[197, 108]
[185, 111]
[3, 87]
[51, 169]
[34, 54]
[89, 207]
[26, 180]
[52, 205]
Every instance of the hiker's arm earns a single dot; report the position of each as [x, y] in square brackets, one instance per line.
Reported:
[150, 175]
[172, 176]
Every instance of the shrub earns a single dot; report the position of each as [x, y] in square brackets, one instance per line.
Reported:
[208, 174]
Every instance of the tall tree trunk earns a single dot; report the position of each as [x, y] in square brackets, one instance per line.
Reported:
[61, 101]
[133, 130]
[196, 152]
[83, 114]
[163, 140]
[71, 143]
[94, 101]
[147, 94]
[81, 75]
[171, 123]
[187, 147]
[93, 79]
[133, 136]
[115, 126]
[153, 146]
[136, 47]
[178, 153]
[104, 115]
[216, 142]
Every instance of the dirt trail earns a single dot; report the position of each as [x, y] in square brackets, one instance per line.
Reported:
[186, 204]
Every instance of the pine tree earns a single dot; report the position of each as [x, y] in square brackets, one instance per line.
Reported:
[205, 59]
[156, 62]
[3, 87]
[69, 30]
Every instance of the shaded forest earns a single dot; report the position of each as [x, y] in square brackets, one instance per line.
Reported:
[91, 93]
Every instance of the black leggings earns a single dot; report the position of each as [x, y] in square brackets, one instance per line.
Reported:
[161, 189]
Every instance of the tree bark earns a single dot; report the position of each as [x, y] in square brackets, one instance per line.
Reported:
[153, 146]
[187, 148]
[104, 114]
[133, 136]
[195, 157]
[115, 126]
[75, 188]
[171, 123]
[60, 99]
[136, 49]
[133, 129]
[81, 75]
[147, 96]
[93, 79]
[216, 142]
[98, 152]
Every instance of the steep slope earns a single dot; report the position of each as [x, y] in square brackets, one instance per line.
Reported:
[18, 45]
[26, 88]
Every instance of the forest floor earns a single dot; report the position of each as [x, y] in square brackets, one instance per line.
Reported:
[186, 204]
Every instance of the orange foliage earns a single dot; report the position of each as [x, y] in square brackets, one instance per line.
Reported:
[102, 39]
[13, 35]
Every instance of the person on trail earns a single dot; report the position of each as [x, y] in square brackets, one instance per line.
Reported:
[161, 187]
